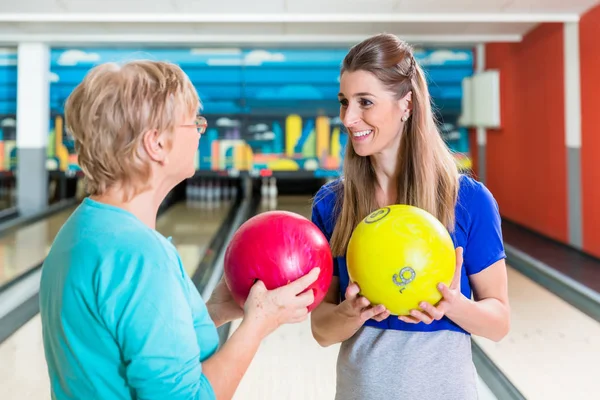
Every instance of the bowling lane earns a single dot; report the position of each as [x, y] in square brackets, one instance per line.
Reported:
[552, 349]
[192, 226]
[25, 247]
[23, 373]
[290, 364]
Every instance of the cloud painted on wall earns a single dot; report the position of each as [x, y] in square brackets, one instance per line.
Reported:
[257, 57]
[7, 62]
[8, 57]
[228, 122]
[258, 128]
[440, 57]
[74, 57]
[8, 123]
[252, 58]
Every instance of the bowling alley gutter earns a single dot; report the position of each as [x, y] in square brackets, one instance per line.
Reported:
[210, 269]
[18, 298]
[22, 220]
[573, 292]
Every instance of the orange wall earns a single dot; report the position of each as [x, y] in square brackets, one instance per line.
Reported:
[526, 159]
[589, 32]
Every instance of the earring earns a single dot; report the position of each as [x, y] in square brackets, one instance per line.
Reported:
[404, 118]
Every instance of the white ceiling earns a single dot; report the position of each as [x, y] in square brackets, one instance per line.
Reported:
[296, 6]
[319, 22]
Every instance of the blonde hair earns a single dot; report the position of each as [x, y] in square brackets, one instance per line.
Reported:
[428, 173]
[111, 109]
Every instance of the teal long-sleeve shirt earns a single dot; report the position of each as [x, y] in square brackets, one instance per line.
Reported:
[121, 318]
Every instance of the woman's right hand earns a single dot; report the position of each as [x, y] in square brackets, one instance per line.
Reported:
[358, 308]
[269, 309]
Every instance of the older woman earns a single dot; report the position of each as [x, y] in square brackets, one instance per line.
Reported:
[121, 318]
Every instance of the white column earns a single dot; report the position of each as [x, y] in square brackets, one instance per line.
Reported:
[33, 116]
[481, 132]
[573, 132]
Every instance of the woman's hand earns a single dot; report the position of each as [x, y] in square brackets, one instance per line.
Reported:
[266, 310]
[452, 298]
[221, 305]
[359, 308]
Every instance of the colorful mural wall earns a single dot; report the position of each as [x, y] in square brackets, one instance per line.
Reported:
[8, 107]
[284, 143]
[267, 109]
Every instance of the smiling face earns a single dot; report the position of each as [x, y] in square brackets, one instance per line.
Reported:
[371, 114]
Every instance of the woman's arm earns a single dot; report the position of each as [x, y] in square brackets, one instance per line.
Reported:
[488, 315]
[226, 368]
[154, 326]
[332, 322]
[265, 310]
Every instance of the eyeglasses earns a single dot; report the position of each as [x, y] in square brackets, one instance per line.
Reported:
[200, 124]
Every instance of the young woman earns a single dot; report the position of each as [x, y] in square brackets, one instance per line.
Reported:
[396, 155]
[121, 318]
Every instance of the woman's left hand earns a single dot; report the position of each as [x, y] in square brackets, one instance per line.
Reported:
[221, 303]
[451, 297]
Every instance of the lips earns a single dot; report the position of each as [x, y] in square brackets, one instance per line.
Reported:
[360, 136]
[362, 133]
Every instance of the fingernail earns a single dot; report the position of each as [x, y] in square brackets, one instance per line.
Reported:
[422, 305]
[440, 286]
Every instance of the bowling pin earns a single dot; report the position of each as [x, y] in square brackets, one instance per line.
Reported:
[188, 190]
[273, 188]
[264, 189]
[218, 190]
[272, 203]
[233, 190]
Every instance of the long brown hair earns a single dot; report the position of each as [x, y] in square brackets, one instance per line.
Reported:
[428, 173]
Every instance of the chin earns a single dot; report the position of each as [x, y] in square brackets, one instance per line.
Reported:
[191, 173]
[363, 149]
[184, 174]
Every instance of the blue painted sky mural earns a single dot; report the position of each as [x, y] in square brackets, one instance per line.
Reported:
[8, 81]
[244, 81]
[289, 90]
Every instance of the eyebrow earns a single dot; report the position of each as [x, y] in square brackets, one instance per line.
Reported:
[357, 94]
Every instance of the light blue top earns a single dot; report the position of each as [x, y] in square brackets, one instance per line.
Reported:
[121, 318]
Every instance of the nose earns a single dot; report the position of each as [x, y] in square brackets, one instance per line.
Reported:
[350, 116]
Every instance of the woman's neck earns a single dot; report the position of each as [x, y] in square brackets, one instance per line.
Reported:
[143, 205]
[385, 166]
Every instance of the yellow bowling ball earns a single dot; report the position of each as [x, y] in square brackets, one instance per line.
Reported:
[397, 255]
